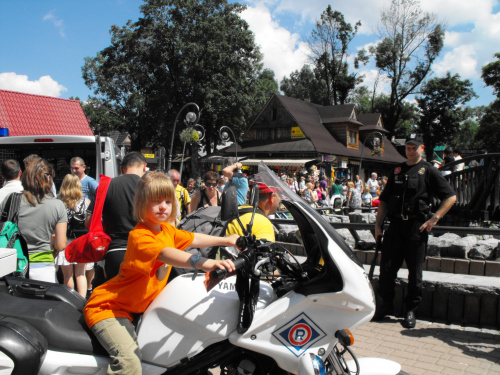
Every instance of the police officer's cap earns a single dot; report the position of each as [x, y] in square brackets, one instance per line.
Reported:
[415, 140]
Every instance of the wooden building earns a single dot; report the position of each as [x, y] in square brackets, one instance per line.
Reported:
[294, 134]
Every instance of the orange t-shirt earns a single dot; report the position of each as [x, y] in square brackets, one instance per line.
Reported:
[136, 286]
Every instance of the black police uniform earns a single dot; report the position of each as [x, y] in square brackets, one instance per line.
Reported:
[408, 196]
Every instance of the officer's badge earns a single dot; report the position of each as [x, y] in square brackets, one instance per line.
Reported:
[421, 171]
[397, 170]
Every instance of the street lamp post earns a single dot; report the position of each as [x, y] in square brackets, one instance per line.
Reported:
[201, 135]
[363, 148]
[190, 118]
[224, 135]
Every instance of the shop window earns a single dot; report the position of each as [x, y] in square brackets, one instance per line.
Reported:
[283, 133]
[263, 134]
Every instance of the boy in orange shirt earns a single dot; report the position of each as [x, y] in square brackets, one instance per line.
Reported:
[153, 248]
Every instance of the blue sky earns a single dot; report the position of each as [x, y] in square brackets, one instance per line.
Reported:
[44, 42]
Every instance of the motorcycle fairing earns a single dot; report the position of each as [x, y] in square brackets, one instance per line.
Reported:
[179, 325]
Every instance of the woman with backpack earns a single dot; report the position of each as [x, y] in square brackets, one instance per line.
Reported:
[76, 206]
[41, 220]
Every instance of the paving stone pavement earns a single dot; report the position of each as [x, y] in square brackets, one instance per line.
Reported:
[430, 348]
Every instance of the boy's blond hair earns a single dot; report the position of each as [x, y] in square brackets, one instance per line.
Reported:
[154, 186]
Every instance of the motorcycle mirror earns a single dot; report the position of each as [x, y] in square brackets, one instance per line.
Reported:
[229, 205]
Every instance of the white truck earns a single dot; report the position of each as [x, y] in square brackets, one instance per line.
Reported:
[100, 154]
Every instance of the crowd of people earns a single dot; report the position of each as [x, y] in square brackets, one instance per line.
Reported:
[141, 212]
[319, 191]
[50, 220]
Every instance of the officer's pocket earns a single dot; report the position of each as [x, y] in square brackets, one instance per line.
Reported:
[394, 205]
[412, 183]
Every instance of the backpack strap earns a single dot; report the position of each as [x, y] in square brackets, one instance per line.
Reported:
[102, 189]
[246, 210]
[204, 196]
[11, 208]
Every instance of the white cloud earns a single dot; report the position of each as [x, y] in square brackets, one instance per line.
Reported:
[282, 51]
[57, 22]
[460, 60]
[43, 86]
[472, 31]
[366, 11]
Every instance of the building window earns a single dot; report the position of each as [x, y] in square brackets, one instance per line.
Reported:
[283, 133]
[263, 134]
[353, 138]
[275, 114]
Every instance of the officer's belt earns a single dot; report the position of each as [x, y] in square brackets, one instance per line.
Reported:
[406, 217]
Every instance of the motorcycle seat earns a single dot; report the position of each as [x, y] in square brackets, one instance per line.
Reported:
[62, 325]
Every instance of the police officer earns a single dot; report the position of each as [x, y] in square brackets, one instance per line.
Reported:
[406, 200]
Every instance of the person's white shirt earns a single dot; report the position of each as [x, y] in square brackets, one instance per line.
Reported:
[373, 185]
[12, 186]
[461, 166]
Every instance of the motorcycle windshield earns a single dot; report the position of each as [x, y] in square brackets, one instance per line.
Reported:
[321, 242]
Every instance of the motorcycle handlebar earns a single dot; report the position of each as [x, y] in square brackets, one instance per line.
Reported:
[220, 273]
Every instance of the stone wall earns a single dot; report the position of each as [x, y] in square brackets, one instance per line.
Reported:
[448, 245]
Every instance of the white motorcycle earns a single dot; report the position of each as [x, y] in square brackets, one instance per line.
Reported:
[276, 315]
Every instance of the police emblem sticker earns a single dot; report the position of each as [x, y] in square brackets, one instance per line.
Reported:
[397, 170]
[421, 171]
[299, 334]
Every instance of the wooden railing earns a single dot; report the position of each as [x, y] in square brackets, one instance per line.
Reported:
[477, 188]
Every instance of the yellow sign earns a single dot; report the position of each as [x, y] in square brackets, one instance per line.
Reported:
[297, 132]
[149, 156]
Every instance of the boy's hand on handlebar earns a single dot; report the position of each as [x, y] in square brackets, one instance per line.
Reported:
[211, 265]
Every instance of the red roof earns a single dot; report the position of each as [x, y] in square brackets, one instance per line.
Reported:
[27, 114]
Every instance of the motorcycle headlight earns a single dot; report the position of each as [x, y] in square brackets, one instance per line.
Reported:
[311, 364]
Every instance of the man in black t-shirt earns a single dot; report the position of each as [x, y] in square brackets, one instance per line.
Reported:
[118, 211]
[406, 200]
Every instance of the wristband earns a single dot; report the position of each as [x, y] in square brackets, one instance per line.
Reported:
[193, 260]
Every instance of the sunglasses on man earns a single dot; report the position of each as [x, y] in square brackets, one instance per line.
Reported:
[210, 184]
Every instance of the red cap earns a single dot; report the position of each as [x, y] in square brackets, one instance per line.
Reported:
[263, 188]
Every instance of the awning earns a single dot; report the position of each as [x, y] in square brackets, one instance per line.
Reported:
[280, 162]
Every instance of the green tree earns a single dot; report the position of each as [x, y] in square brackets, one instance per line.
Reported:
[330, 50]
[488, 134]
[103, 117]
[441, 106]
[330, 81]
[266, 86]
[367, 103]
[304, 85]
[466, 134]
[178, 52]
[411, 40]
[491, 75]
